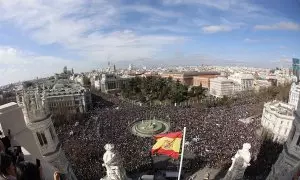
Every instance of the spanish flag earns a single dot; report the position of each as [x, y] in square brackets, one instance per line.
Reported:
[168, 144]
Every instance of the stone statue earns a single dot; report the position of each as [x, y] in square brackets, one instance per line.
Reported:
[38, 101]
[113, 164]
[240, 162]
[32, 104]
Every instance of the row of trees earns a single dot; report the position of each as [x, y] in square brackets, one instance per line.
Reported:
[159, 89]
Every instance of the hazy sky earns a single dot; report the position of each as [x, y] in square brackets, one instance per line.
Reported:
[39, 37]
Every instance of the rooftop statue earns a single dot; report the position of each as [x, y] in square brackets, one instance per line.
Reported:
[243, 153]
[240, 162]
[113, 164]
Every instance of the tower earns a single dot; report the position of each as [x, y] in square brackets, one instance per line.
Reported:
[290, 155]
[65, 70]
[38, 120]
[115, 69]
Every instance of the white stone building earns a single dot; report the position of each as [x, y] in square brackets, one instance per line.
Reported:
[12, 118]
[79, 79]
[32, 128]
[244, 80]
[97, 84]
[113, 83]
[294, 95]
[277, 120]
[221, 86]
[259, 84]
[72, 98]
[38, 120]
[63, 97]
[289, 158]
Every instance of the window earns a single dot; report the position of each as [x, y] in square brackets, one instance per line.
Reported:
[298, 141]
[42, 138]
[52, 133]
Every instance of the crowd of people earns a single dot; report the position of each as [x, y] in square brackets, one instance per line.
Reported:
[12, 163]
[213, 135]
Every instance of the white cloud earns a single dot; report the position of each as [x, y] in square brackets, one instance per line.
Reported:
[17, 65]
[248, 40]
[219, 4]
[224, 5]
[150, 10]
[217, 28]
[79, 26]
[279, 26]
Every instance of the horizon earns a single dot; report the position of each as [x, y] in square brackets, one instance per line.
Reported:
[39, 38]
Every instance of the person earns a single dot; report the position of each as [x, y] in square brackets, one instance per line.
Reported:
[27, 171]
[56, 176]
[7, 168]
[2, 147]
[6, 141]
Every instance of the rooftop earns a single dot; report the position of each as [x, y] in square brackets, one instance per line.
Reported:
[221, 79]
[281, 108]
[194, 73]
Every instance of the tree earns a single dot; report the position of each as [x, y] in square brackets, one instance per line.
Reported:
[179, 92]
[86, 81]
[197, 91]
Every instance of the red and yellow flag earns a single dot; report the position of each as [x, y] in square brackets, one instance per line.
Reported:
[168, 144]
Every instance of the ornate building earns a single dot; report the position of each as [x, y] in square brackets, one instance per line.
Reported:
[63, 97]
[111, 83]
[38, 119]
[68, 97]
[277, 119]
[294, 95]
[290, 155]
[221, 86]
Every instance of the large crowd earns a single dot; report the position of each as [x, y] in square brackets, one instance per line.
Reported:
[213, 134]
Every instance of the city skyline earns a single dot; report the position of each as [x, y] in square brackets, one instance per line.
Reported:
[37, 38]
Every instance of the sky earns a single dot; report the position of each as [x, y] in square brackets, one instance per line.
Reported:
[40, 37]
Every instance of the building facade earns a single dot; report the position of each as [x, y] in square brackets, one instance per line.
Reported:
[38, 120]
[111, 83]
[12, 118]
[221, 86]
[192, 78]
[294, 95]
[63, 97]
[290, 155]
[289, 159]
[204, 79]
[245, 81]
[71, 98]
[277, 120]
[259, 84]
[296, 68]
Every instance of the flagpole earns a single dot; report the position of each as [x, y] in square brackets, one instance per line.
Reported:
[182, 151]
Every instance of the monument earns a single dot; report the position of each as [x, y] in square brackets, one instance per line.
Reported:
[240, 162]
[149, 127]
[113, 164]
